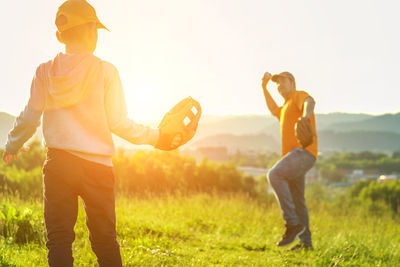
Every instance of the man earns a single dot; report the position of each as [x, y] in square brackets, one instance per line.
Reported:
[82, 102]
[287, 176]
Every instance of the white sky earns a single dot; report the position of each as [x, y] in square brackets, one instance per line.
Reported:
[344, 53]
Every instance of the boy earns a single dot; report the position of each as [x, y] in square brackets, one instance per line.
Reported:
[82, 102]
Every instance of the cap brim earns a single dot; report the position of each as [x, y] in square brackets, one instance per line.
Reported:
[101, 26]
[275, 77]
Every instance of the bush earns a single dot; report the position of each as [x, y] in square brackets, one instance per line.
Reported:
[19, 182]
[363, 160]
[160, 172]
[374, 193]
[22, 226]
[140, 173]
[388, 192]
[356, 189]
[260, 160]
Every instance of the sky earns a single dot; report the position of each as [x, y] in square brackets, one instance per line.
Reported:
[345, 53]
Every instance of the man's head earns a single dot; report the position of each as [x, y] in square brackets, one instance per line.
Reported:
[286, 83]
[77, 24]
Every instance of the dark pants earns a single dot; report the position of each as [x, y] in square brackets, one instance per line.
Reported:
[65, 178]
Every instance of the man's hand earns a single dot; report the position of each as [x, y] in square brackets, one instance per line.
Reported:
[265, 79]
[304, 132]
[7, 158]
[272, 106]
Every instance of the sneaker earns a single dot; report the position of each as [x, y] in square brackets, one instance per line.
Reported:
[291, 234]
[302, 246]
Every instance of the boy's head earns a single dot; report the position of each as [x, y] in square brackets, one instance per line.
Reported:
[77, 24]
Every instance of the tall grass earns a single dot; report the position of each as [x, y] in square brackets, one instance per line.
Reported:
[224, 230]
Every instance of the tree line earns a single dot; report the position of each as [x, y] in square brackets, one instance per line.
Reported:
[138, 173]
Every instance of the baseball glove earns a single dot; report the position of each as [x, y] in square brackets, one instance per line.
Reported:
[181, 120]
[304, 132]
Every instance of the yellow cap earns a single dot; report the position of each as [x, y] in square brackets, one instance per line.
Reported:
[74, 13]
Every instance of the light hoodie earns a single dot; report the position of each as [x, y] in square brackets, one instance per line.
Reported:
[82, 102]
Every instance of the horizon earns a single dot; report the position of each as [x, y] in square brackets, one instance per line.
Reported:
[224, 116]
[220, 53]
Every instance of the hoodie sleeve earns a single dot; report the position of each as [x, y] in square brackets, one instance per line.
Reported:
[28, 120]
[117, 115]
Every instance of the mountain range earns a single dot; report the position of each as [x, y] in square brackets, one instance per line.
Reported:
[336, 132]
[341, 132]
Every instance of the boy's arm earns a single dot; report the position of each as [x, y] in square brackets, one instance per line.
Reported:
[29, 119]
[24, 128]
[117, 115]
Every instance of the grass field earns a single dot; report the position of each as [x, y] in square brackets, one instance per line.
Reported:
[206, 230]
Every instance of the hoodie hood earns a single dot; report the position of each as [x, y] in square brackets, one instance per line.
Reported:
[71, 76]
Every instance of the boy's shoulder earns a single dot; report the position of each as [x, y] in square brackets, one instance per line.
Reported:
[44, 67]
[110, 72]
[109, 67]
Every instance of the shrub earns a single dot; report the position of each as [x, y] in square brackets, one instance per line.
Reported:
[356, 189]
[160, 172]
[373, 193]
[20, 225]
[388, 192]
[140, 173]
[25, 184]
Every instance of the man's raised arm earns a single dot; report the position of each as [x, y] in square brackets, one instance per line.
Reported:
[271, 104]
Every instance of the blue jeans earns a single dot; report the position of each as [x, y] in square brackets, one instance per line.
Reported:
[287, 178]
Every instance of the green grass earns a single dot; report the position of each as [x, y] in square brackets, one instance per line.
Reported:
[206, 230]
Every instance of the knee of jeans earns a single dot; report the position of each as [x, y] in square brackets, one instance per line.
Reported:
[101, 237]
[300, 202]
[272, 176]
[110, 244]
[60, 239]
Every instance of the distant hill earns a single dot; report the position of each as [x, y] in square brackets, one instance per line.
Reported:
[236, 125]
[383, 123]
[325, 121]
[337, 132]
[256, 124]
[241, 142]
[357, 141]
[328, 141]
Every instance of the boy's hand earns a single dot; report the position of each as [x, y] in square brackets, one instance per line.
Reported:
[176, 141]
[169, 142]
[7, 158]
[179, 124]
